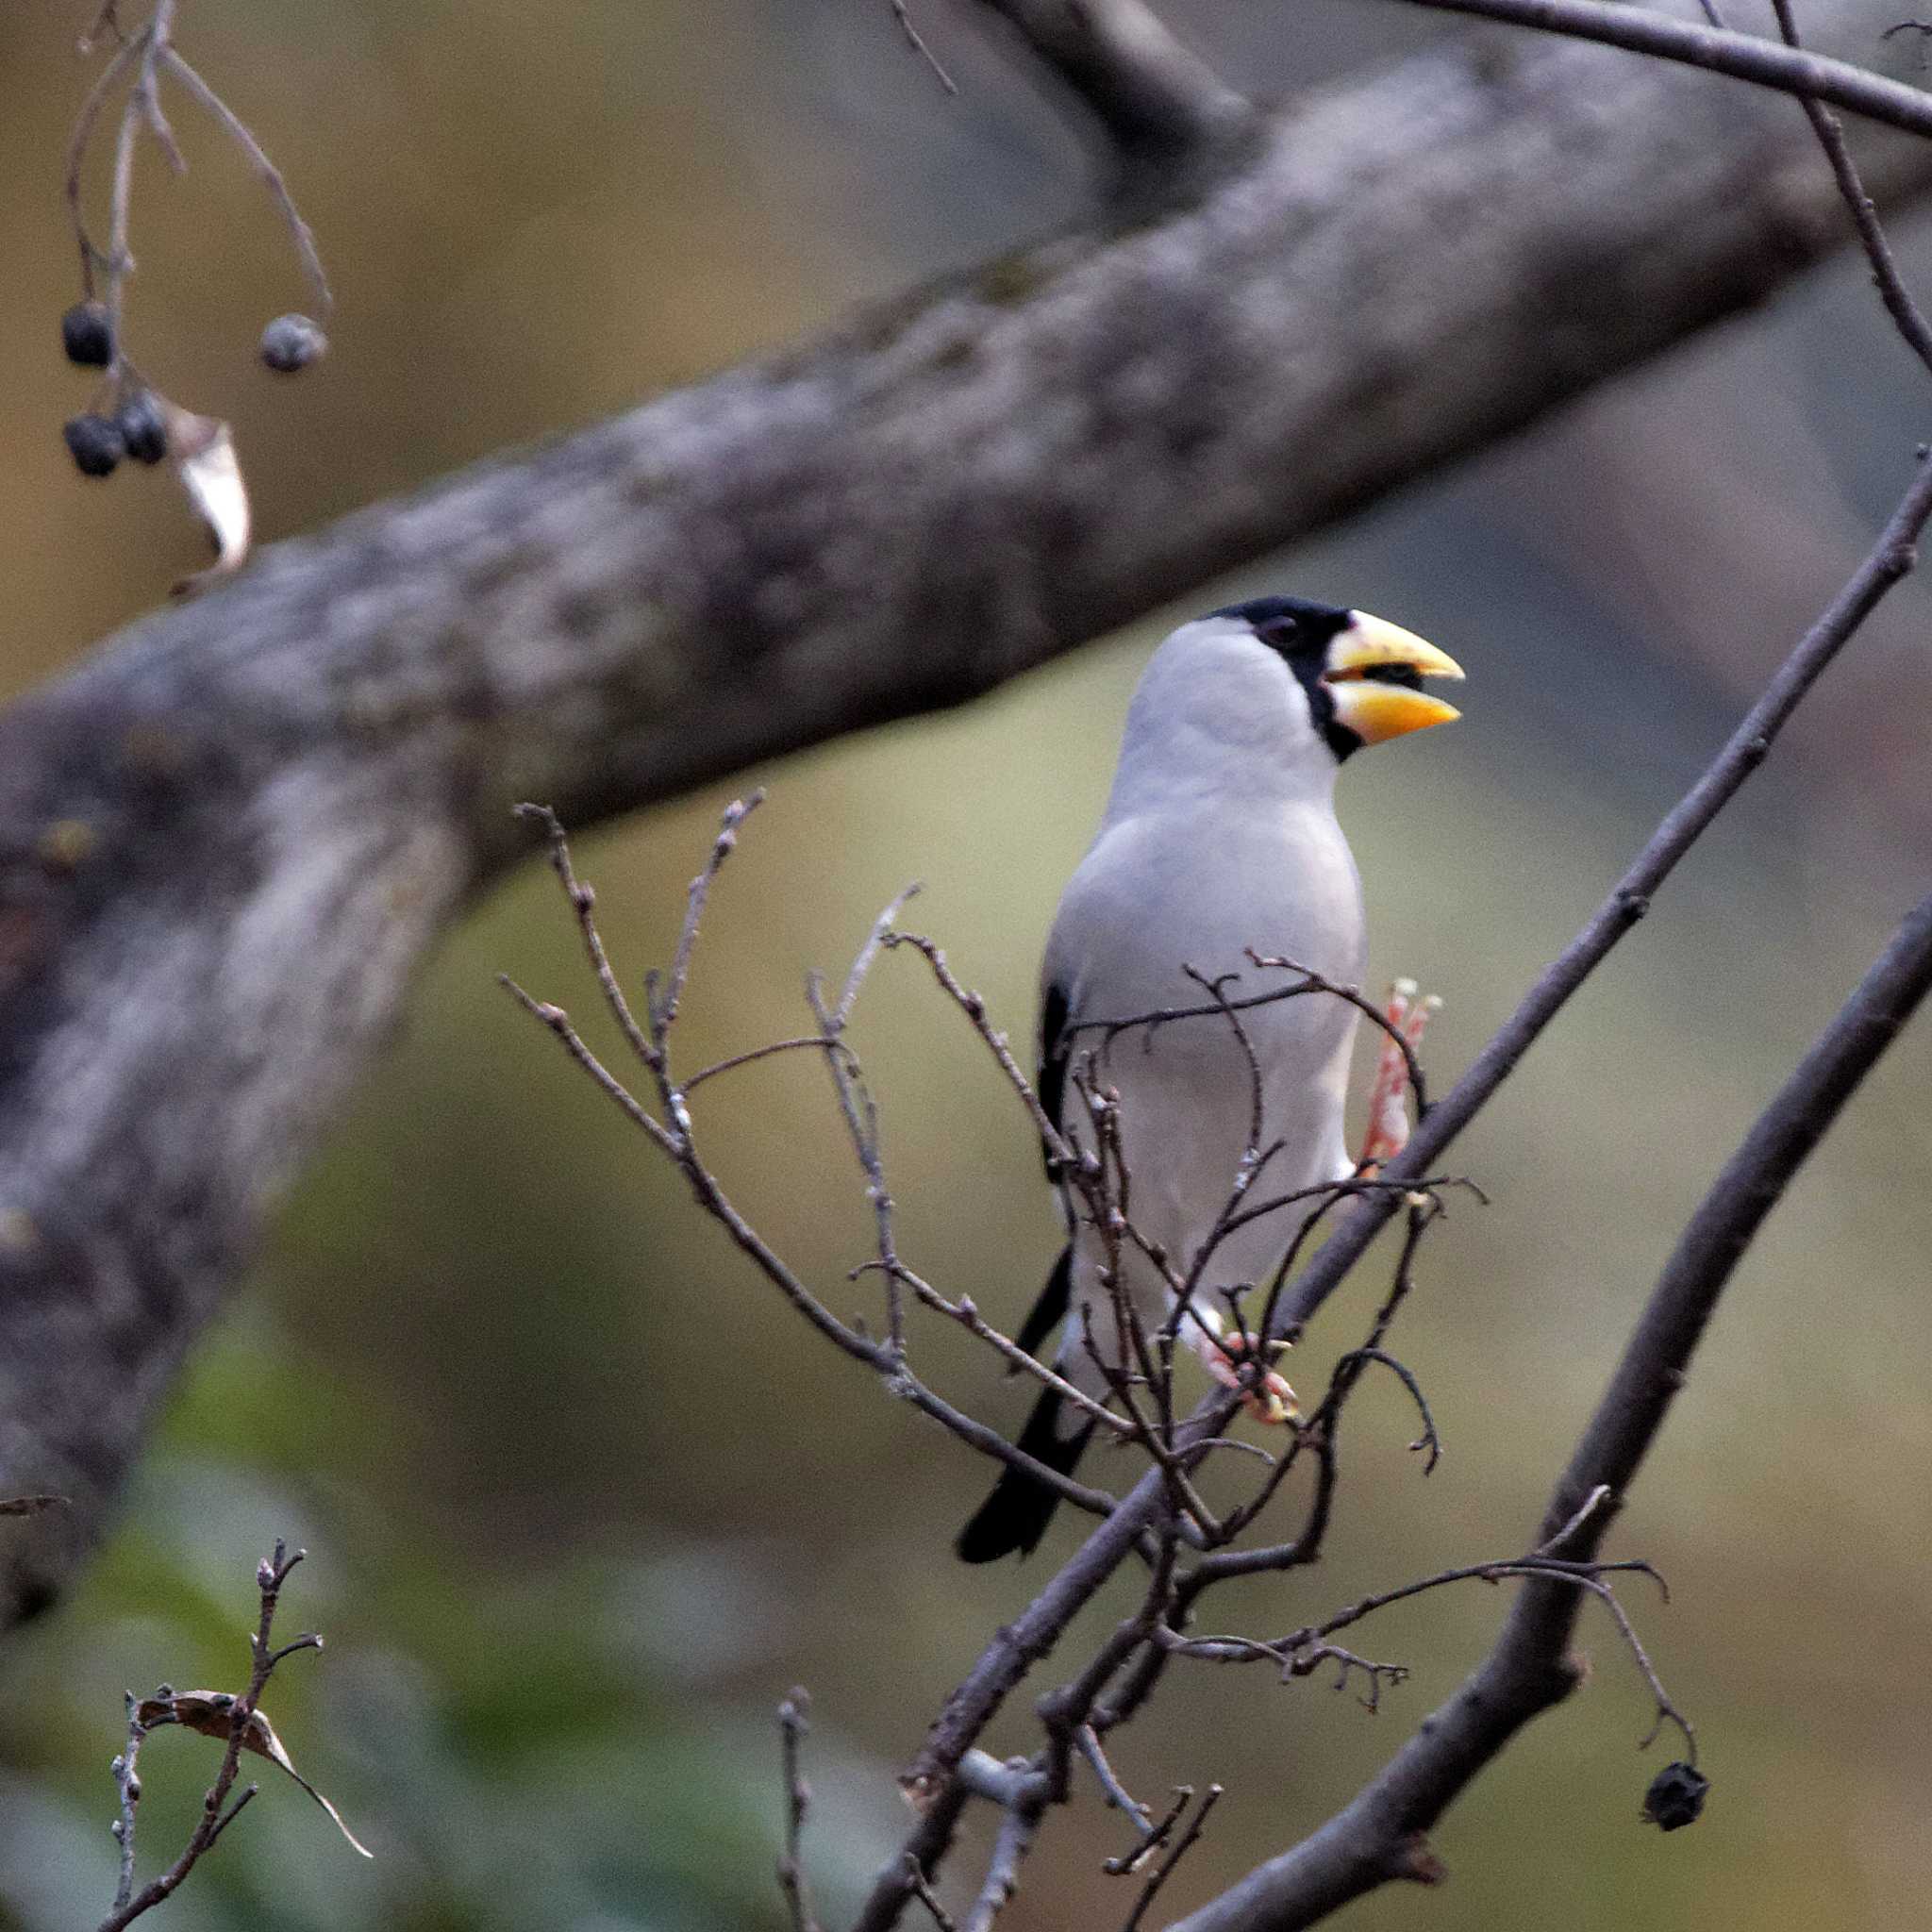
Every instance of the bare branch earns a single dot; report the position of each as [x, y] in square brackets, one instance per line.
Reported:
[265, 170]
[902, 12]
[237, 1718]
[1891, 559]
[584, 902]
[791, 1881]
[1158, 103]
[1905, 313]
[1164, 1871]
[1378, 1835]
[916, 1884]
[1018, 1825]
[1116, 1794]
[675, 1137]
[1743, 56]
[1428, 1444]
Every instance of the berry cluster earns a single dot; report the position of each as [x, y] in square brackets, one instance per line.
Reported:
[132, 419]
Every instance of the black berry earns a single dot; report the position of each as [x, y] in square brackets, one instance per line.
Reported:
[1675, 1797]
[290, 343]
[87, 335]
[94, 444]
[143, 428]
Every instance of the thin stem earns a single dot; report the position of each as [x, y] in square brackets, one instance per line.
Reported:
[1164, 1871]
[791, 1881]
[269, 175]
[902, 12]
[1742, 56]
[1890, 558]
[1905, 313]
[270, 1576]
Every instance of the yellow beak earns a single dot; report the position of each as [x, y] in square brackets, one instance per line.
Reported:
[1370, 705]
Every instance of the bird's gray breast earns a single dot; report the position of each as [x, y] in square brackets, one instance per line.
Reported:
[1163, 893]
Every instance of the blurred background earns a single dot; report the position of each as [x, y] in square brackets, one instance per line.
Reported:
[566, 1561]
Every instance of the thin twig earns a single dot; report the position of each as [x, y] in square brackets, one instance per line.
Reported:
[1156, 1836]
[90, 257]
[1018, 1825]
[817, 1042]
[676, 1142]
[1308, 982]
[1742, 56]
[216, 1814]
[967, 1314]
[902, 12]
[1428, 1444]
[791, 1881]
[584, 903]
[1116, 1794]
[916, 1885]
[266, 171]
[1158, 105]
[1165, 1870]
[664, 1007]
[1891, 559]
[1905, 313]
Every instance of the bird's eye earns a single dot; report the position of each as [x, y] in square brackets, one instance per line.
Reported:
[1280, 631]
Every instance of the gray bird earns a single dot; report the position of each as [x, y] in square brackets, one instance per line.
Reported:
[1219, 834]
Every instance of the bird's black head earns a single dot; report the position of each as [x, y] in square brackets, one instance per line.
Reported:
[1300, 633]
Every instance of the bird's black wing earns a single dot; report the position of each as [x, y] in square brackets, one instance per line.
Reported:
[1050, 1310]
[1055, 1045]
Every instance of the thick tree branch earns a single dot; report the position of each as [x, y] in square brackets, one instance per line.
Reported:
[228, 838]
[1379, 1835]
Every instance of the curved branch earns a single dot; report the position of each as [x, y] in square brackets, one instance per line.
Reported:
[1379, 1835]
[227, 840]
[1891, 558]
[1790, 69]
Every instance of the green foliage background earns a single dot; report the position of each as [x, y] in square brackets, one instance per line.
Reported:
[582, 1499]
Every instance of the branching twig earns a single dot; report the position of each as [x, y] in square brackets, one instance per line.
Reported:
[1117, 1794]
[673, 1137]
[150, 51]
[1890, 558]
[916, 1884]
[1905, 313]
[1378, 1835]
[239, 1719]
[1743, 56]
[1164, 1871]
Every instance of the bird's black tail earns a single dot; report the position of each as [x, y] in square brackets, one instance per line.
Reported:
[1015, 1516]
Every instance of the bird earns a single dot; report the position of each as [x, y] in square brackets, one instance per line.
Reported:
[1218, 843]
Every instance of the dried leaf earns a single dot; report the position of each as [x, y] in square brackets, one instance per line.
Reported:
[204, 460]
[213, 1713]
